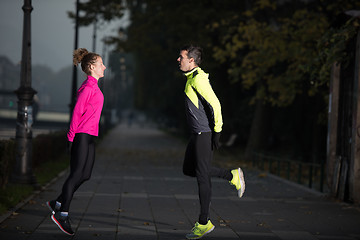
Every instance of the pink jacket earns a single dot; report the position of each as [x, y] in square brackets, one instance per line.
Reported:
[87, 110]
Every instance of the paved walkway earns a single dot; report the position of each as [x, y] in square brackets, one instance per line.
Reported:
[138, 191]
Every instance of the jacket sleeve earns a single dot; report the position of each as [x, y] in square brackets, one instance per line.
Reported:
[203, 87]
[83, 97]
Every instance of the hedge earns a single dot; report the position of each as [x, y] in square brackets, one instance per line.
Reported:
[45, 147]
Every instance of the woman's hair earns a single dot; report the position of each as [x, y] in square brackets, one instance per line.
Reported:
[86, 58]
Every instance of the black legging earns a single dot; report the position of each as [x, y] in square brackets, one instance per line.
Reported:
[81, 165]
[197, 163]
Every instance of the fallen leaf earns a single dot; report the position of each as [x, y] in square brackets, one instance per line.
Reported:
[262, 175]
[265, 225]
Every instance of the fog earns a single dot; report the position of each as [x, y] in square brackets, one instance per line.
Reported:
[52, 32]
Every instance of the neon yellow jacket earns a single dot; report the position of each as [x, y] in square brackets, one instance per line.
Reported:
[203, 109]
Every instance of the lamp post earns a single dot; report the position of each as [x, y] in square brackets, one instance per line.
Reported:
[94, 34]
[22, 173]
[74, 75]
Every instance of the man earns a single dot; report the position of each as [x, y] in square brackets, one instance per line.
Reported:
[203, 112]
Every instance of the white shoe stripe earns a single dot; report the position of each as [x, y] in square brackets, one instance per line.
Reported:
[48, 204]
[59, 225]
[242, 183]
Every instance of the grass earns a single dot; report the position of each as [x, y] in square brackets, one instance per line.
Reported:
[48, 170]
[12, 195]
[15, 193]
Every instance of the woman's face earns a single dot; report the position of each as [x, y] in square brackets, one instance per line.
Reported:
[97, 69]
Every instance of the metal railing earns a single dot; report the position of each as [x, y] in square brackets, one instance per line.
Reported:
[305, 173]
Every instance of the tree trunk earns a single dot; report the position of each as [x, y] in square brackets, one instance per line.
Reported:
[332, 180]
[259, 129]
[354, 178]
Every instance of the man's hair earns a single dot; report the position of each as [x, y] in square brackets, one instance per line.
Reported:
[194, 52]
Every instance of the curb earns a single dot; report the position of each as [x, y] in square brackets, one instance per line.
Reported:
[297, 185]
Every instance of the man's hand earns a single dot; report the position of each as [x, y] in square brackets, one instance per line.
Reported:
[215, 140]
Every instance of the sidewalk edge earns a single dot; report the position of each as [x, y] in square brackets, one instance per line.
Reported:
[304, 188]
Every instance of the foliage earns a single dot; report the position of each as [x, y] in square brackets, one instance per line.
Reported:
[49, 158]
[158, 29]
[45, 148]
[104, 10]
[7, 157]
[278, 52]
[331, 49]
[269, 53]
[12, 194]
[48, 147]
[46, 171]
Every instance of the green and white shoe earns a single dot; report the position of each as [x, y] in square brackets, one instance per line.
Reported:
[199, 230]
[238, 181]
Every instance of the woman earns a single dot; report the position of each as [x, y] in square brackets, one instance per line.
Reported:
[84, 127]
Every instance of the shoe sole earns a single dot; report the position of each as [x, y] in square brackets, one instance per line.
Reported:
[207, 232]
[242, 183]
[60, 227]
[48, 205]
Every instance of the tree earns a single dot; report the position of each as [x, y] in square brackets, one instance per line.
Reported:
[158, 29]
[270, 51]
[261, 53]
[104, 10]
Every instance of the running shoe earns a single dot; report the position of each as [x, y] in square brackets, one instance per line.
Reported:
[63, 223]
[199, 230]
[52, 206]
[238, 181]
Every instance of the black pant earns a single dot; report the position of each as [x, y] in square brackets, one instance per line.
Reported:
[197, 163]
[81, 165]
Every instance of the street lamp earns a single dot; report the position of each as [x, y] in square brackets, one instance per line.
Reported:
[74, 75]
[22, 173]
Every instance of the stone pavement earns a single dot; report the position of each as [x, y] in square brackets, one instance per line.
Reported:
[138, 191]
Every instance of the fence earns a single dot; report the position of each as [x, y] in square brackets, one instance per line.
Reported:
[305, 173]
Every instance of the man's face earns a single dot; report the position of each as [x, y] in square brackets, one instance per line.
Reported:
[185, 63]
